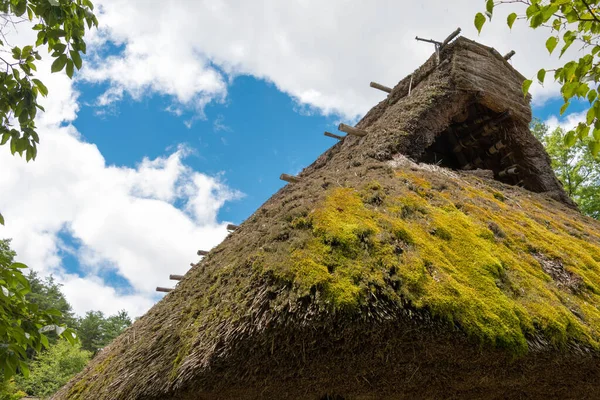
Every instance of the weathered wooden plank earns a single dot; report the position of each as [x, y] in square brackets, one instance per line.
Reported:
[512, 170]
[450, 37]
[350, 130]
[202, 252]
[175, 277]
[509, 55]
[164, 289]
[376, 85]
[496, 147]
[289, 178]
[232, 227]
[331, 135]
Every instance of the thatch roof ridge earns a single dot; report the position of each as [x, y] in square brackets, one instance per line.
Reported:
[374, 269]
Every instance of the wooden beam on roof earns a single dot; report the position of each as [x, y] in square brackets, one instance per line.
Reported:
[496, 147]
[202, 252]
[331, 135]
[164, 289]
[232, 227]
[509, 55]
[376, 85]
[289, 178]
[175, 277]
[449, 38]
[512, 170]
[350, 130]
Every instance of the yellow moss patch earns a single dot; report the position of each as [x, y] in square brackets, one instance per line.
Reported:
[478, 266]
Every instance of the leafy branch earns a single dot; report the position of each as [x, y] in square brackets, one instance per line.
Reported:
[569, 21]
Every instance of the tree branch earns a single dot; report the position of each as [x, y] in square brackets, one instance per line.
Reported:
[590, 10]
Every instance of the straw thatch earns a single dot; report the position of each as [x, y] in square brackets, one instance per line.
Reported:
[376, 276]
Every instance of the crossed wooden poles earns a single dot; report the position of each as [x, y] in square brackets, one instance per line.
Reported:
[353, 131]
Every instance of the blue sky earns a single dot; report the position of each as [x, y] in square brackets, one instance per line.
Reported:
[253, 137]
[186, 113]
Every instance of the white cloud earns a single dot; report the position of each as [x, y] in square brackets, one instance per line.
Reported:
[566, 122]
[124, 218]
[321, 53]
[140, 223]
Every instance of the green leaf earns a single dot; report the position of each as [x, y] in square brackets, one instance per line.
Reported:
[564, 108]
[19, 265]
[19, 8]
[1, 220]
[59, 47]
[59, 63]
[596, 134]
[591, 116]
[41, 87]
[570, 139]
[76, 57]
[541, 75]
[479, 21]
[592, 95]
[24, 369]
[526, 85]
[70, 68]
[489, 7]
[551, 43]
[569, 37]
[582, 131]
[594, 147]
[511, 19]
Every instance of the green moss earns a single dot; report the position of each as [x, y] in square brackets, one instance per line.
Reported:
[499, 196]
[373, 193]
[451, 262]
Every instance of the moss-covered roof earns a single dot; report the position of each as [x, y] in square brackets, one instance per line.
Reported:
[378, 277]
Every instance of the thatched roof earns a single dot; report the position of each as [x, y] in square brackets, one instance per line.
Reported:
[376, 276]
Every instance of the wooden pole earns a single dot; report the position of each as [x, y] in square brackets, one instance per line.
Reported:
[164, 289]
[350, 130]
[449, 38]
[331, 135]
[509, 55]
[512, 170]
[175, 277]
[232, 227]
[289, 178]
[496, 148]
[202, 252]
[428, 41]
[376, 85]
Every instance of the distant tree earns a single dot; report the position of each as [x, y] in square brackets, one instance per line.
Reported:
[96, 331]
[22, 324]
[90, 331]
[576, 167]
[568, 22]
[52, 368]
[47, 294]
[114, 325]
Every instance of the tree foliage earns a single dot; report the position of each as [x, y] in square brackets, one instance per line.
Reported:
[568, 22]
[53, 368]
[22, 324]
[576, 167]
[47, 294]
[60, 26]
[96, 331]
